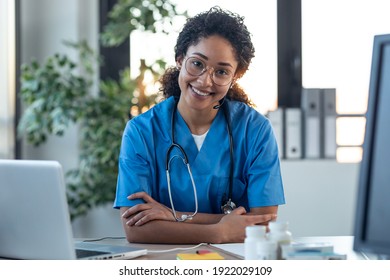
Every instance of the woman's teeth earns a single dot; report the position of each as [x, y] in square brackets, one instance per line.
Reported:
[198, 92]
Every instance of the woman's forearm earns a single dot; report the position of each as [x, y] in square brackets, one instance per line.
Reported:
[229, 228]
[202, 218]
[166, 232]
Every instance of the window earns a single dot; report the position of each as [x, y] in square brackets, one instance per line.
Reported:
[7, 78]
[337, 39]
[260, 82]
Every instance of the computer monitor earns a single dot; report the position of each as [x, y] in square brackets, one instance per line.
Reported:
[372, 221]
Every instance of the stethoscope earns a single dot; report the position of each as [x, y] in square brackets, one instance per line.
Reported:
[227, 205]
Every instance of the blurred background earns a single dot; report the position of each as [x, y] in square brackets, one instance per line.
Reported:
[69, 80]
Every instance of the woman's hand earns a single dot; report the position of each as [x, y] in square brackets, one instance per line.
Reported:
[145, 212]
[232, 226]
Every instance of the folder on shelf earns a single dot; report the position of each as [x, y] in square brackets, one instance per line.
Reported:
[293, 122]
[329, 122]
[276, 118]
[310, 103]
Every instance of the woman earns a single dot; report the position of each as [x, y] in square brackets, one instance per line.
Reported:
[232, 179]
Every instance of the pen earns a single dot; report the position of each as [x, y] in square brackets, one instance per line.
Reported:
[202, 252]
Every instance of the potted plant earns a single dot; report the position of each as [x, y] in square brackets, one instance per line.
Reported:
[56, 93]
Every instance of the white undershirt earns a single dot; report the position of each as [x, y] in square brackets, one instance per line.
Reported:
[199, 139]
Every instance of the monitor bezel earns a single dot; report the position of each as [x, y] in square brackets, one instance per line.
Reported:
[361, 243]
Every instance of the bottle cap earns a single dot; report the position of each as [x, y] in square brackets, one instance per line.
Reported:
[278, 225]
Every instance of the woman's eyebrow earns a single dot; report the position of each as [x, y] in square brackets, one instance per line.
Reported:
[201, 55]
[206, 58]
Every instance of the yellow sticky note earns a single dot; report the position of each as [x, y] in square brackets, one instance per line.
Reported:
[207, 256]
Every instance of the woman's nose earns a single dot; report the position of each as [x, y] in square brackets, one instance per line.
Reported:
[206, 78]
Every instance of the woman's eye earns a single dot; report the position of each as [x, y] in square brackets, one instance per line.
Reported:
[198, 64]
[222, 72]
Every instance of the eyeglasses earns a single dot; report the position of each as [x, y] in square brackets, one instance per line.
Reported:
[196, 67]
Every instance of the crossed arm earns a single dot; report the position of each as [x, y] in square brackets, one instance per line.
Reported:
[153, 222]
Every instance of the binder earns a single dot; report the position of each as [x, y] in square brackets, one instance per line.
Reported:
[329, 123]
[311, 107]
[276, 118]
[293, 128]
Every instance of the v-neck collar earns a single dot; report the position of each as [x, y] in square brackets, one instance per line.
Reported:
[203, 160]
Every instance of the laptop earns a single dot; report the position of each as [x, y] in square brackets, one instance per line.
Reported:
[34, 216]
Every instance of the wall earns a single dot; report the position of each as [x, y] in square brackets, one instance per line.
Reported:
[320, 197]
[45, 24]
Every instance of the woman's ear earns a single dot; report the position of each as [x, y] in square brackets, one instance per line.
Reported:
[233, 82]
[179, 62]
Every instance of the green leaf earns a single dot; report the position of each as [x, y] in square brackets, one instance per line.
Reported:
[55, 95]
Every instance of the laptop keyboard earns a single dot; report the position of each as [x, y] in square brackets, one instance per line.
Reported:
[80, 253]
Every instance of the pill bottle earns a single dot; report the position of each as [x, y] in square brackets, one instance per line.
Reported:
[279, 233]
[254, 235]
[267, 250]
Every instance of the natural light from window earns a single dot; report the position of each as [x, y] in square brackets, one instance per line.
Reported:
[337, 39]
[260, 82]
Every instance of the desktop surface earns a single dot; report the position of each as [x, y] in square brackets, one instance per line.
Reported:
[169, 251]
[341, 244]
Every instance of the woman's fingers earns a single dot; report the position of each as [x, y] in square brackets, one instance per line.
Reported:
[138, 219]
[261, 219]
[141, 195]
[239, 211]
[135, 209]
[255, 218]
[143, 213]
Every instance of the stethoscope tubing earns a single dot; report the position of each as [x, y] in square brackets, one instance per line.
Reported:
[185, 161]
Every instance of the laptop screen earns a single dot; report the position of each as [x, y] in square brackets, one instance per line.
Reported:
[35, 221]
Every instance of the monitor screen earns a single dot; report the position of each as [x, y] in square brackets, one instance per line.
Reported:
[372, 223]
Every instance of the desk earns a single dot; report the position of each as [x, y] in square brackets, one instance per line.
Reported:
[168, 251]
[342, 245]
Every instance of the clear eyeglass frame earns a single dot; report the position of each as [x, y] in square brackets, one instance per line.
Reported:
[197, 67]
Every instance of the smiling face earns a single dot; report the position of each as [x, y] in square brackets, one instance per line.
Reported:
[200, 92]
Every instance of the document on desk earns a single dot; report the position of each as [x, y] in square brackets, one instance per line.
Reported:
[236, 249]
[197, 256]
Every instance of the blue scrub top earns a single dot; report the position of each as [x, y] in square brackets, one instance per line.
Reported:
[147, 137]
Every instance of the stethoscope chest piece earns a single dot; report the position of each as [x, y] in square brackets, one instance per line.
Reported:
[228, 207]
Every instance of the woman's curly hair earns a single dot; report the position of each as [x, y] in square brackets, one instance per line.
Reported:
[213, 22]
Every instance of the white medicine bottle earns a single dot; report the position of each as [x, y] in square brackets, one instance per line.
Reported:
[267, 250]
[254, 235]
[279, 233]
